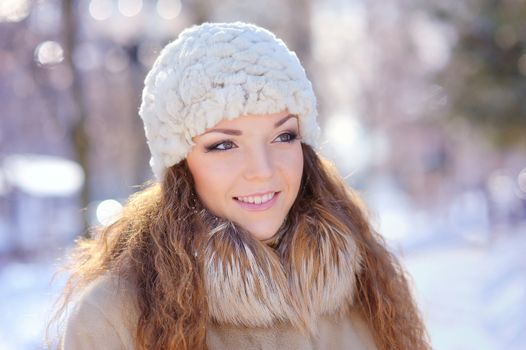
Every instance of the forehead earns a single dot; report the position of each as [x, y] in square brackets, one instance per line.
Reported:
[253, 120]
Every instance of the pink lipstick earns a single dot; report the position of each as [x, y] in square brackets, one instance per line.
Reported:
[258, 207]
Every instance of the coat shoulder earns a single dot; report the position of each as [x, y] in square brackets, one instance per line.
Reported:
[103, 317]
[111, 293]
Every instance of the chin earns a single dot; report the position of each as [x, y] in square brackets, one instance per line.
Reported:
[262, 232]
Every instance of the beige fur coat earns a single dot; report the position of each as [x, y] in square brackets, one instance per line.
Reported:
[258, 298]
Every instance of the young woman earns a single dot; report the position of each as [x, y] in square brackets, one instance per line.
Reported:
[249, 239]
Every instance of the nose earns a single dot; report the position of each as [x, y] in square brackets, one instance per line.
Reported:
[259, 165]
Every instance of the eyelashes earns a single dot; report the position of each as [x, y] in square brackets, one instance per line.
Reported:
[291, 136]
[216, 147]
[225, 145]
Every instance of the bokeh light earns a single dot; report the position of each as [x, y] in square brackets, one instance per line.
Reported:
[14, 10]
[349, 142]
[108, 211]
[432, 40]
[129, 8]
[168, 9]
[101, 10]
[49, 52]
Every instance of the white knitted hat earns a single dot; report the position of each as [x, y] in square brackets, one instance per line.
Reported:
[218, 71]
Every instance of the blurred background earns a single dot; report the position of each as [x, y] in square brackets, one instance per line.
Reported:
[422, 104]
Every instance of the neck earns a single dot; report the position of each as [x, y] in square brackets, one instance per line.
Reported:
[274, 241]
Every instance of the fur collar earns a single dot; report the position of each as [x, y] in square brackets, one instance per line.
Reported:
[251, 284]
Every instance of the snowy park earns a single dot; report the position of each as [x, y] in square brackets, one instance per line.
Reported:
[421, 107]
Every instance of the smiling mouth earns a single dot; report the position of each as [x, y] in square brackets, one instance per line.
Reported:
[262, 202]
[257, 199]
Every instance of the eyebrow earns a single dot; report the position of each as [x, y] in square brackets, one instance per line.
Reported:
[238, 132]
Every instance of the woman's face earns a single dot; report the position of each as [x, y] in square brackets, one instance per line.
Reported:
[248, 170]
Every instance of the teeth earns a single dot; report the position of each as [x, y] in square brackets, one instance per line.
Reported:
[257, 199]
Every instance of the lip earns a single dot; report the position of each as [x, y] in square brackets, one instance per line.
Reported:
[258, 207]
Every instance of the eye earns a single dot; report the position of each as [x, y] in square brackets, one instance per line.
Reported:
[221, 146]
[289, 137]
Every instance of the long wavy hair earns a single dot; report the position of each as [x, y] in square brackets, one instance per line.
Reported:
[152, 242]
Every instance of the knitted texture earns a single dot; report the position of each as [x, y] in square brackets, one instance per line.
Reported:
[218, 71]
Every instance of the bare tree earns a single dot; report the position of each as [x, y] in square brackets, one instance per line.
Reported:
[77, 131]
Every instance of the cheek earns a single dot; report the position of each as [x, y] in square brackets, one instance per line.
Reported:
[211, 182]
[292, 168]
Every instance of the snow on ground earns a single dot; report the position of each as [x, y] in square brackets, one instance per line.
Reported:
[469, 278]
[27, 295]
[472, 296]
[469, 294]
